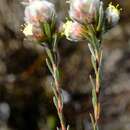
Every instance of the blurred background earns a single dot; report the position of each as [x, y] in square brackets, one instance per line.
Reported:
[25, 92]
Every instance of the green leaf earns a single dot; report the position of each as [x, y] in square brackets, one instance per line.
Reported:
[47, 29]
[53, 22]
[49, 66]
[57, 74]
[55, 93]
[55, 102]
[92, 34]
[92, 51]
[49, 54]
[101, 17]
[55, 42]
[94, 97]
[44, 44]
[92, 120]
[93, 63]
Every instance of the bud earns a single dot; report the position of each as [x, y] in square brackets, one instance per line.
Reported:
[74, 31]
[38, 11]
[112, 15]
[84, 11]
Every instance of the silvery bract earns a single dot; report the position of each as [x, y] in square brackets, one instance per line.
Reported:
[112, 15]
[38, 11]
[84, 10]
[73, 31]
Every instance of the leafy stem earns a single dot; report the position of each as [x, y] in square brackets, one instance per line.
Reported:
[96, 60]
[52, 62]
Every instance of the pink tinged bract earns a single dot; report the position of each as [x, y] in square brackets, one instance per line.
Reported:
[38, 11]
[83, 10]
[74, 31]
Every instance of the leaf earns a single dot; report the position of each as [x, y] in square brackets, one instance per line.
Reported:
[92, 51]
[101, 17]
[55, 102]
[55, 93]
[94, 97]
[44, 44]
[93, 36]
[53, 21]
[49, 54]
[55, 42]
[93, 63]
[92, 120]
[49, 66]
[57, 74]
[47, 29]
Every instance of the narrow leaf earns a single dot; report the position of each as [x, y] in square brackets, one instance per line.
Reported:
[101, 16]
[92, 51]
[47, 29]
[92, 120]
[49, 66]
[53, 22]
[49, 54]
[55, 102]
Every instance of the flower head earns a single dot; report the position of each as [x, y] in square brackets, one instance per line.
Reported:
[38, 11]
[112, 14]
[33, 31]
[73, 31]
[84, 10]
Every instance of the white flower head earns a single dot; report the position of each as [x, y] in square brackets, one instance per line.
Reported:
[112, 14]
[38, 11]
[73, 31]
[32, 31]
[84, 10]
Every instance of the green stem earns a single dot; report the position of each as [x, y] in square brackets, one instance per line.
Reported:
[52, 63]
[96, 54]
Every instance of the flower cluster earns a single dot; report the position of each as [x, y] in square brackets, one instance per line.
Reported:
[74, 31]
[90, 12]
[84, 10]
[37, 13]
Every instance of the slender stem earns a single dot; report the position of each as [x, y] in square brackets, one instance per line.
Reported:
[96, 54]
[53, 66]
[59, 98]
